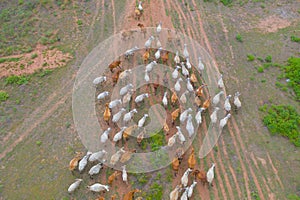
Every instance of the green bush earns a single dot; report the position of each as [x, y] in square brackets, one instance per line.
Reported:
[157, 141]
[292, 72]
[239, 38]
[295, 38]
[33, 56]
[226, 2]
[268, 59]
[250, 57]
[79, 22]
[19, 80]
[283, 120]
[260, 69]
[293, 197]
[155, 192]
[45, 72]
[3, 60]
[3, 96]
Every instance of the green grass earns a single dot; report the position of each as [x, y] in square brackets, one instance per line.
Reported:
[226, 2]
[33, 56]
[250, 57]
[239, 38]
[292, 72]
[3, 96]
[268, 59]
[3, 60]
[260, 69]
[155, 192]
[293, 197]
[79, 22]
[295, 39]
[19, 80]
[283, 120]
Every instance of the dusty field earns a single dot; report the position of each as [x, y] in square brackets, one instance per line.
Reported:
[250, 164]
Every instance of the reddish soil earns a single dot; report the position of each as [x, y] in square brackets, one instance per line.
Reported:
[45, 59]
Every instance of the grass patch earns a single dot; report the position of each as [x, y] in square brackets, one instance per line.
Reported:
[283, 120]
[155, 192]
[239, 37]
[3, 60]
[19, 80]
[79, 22]
[226, 2]
[33, 56]
[39, 143]
[260, 69]
[250, 57]
[293, 197]
[157, 141]
[292, 74]
[3, 96]
[295, 39]
[268, 59]
[44, 72]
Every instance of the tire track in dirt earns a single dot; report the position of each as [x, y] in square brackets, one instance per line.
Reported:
[237, 130]
[102, 17]
[270, 185]
[222, 164]
[223, 143]
[275, 171]
[234, 177]
[225, 33]
[189, 31]
[203, 192]
[38, 121]
[271, 195]
[114, 15]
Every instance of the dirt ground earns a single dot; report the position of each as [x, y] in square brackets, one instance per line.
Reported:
[250, 164]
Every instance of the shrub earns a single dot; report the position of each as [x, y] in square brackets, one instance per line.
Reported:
[155, 192]
[157, 141]
[260, 69]
[45, 72]
[19, 80]
[79, 22]
[226, 2]
[283, 120]
[39, 143]
[295, 38]
[293, 197]
[292, 72]
[268, 59]
[33, 56]
[3, 96]
[250, 57]
[239, 38]
[3, 60]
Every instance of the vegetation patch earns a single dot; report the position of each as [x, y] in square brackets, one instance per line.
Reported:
[3, 60]
[239, 38]
[226, 2]
[3, 96]
[19, 80]
[295, 39]
[250, 57]
[283, 120]
[291, 72]
[155, 192]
